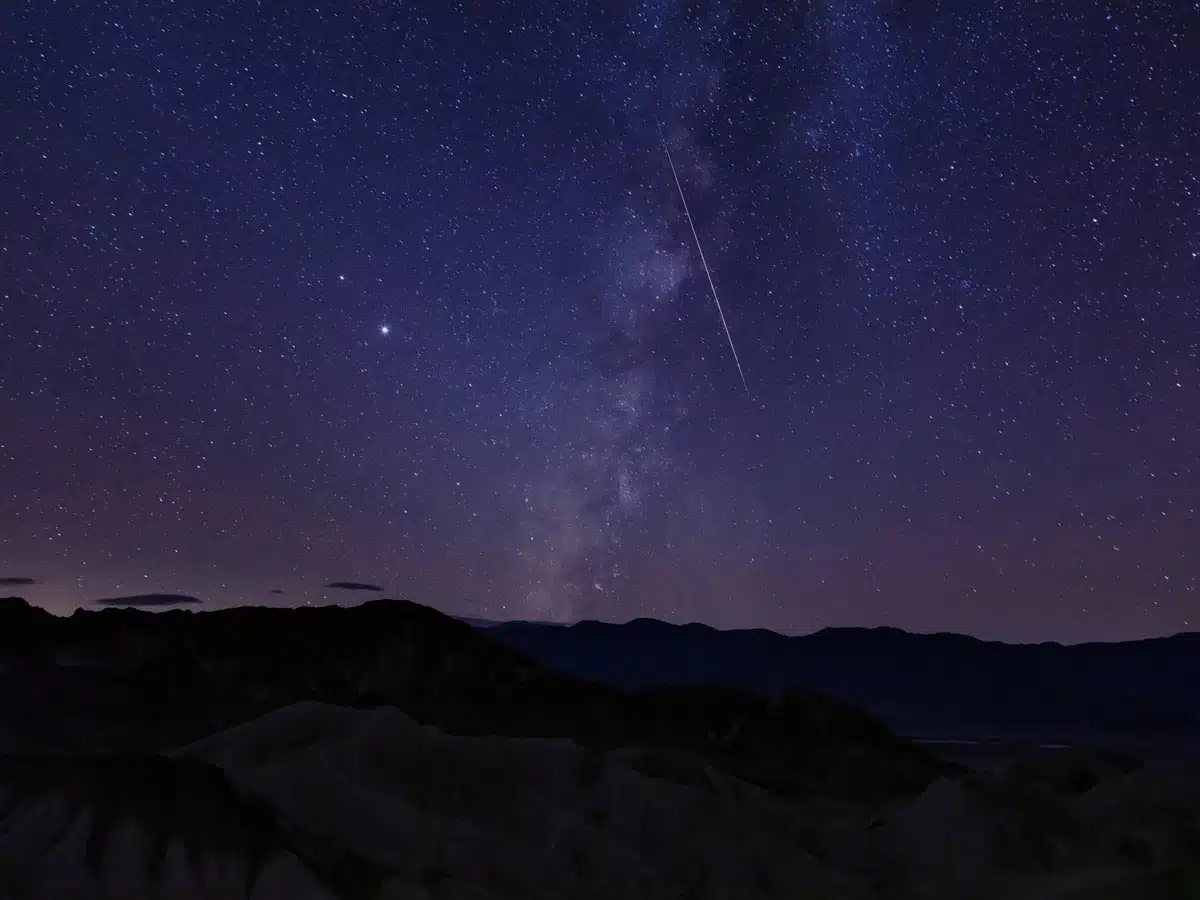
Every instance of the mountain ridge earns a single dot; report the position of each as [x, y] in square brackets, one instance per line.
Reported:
[925, 684]
[651, 621]
[931, 683]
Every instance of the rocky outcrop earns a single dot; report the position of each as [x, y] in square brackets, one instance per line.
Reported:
[145, 825]
[519, 818]
[315, 802]
[319, 802]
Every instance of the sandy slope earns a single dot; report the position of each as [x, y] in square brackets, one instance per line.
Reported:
[316, 802]
[62, 840]
[517, 817]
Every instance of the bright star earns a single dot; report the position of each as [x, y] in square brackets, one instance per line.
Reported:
[385, 330]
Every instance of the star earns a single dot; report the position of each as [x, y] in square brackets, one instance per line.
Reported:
[972, 350]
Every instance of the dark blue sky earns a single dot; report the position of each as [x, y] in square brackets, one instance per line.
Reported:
[404, 293]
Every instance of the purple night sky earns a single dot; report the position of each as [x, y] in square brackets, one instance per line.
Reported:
[404, 293]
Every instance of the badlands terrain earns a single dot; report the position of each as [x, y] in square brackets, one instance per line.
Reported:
[387, 750]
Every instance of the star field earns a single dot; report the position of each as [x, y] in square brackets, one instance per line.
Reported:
[404, 292]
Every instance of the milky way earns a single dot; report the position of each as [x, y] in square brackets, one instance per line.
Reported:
[403, 293]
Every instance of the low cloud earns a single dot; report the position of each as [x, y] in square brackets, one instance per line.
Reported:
[275, 591]
[149, 600]
[353, 586]
[17, 581]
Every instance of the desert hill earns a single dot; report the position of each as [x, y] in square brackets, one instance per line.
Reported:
[320, 802]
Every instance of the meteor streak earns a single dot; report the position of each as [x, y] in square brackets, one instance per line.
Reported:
[703, 262]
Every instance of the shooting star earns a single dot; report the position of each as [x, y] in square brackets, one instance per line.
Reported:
[703, 262]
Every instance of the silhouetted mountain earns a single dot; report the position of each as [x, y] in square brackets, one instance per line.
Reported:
[149, 600]
[916, 682]
[477, 623]
[22, 625]
[492, 623]
[127, 678]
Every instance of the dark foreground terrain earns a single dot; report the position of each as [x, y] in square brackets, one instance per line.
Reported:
[387, 750]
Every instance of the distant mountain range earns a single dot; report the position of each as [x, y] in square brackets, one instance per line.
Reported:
[924, 684]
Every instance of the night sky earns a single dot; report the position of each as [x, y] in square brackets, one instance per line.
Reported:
[404, 293]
